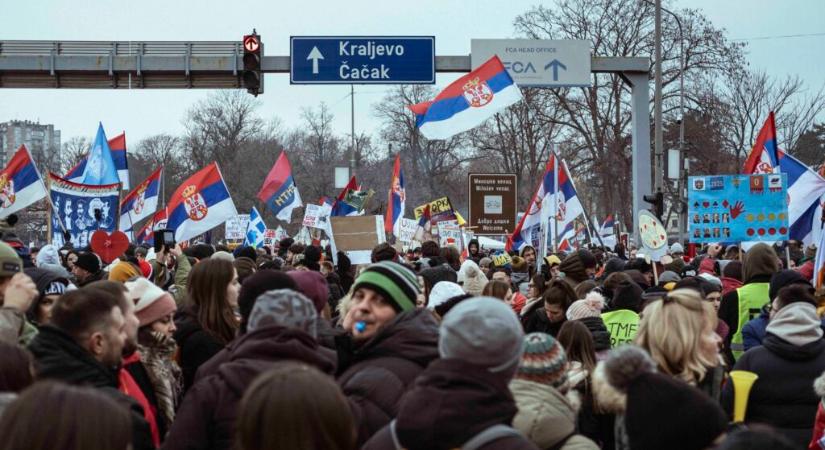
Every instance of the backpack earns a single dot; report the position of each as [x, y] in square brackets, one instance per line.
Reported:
[486, 436]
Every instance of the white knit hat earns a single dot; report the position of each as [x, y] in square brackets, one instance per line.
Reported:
[151, 302]
[443, 291]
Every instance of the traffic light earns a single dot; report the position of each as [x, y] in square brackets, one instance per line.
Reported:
[252, 76]
[658, 202]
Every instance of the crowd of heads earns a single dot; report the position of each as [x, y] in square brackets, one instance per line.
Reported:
[293, 347]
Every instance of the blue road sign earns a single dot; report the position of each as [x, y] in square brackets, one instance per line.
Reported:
[362, 60]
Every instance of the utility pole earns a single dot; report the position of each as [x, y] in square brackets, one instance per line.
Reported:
[352, 130]
[657, 100]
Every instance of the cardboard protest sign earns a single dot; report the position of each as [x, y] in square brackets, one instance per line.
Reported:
[449, 233]
[236, 227]
[270, 237]
[407, 233]
[356, 236]
[736, 208]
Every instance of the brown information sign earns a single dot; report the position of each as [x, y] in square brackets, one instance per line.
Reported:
[493, 202]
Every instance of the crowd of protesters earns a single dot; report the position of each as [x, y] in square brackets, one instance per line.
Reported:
[292, 347]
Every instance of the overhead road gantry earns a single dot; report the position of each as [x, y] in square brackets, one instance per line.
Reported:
[221, 65]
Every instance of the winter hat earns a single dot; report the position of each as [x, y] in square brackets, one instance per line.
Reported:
[151, 302]
[518, 264]
[223, 255]
[88, 261]
[575, 264]
[628, 295]
[711, 279]
[543, 361]
[552, 260]
[10, 262]
[438, 273]
[650, 400]
[785, 278]
[474, 278]
[255, 285]
[676, 248]
[483, 331]
[246, 251]
[669, 276]
[313, 285]
[286, 308]
[443, 291]
[733, 269]
[396, 283]
[613, 265]
[486, 261]
[145, 268]
[797, 324]
[591, 306]
[123, 271]
[48, 255]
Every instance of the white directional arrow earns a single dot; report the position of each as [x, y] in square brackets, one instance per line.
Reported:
[315, 55]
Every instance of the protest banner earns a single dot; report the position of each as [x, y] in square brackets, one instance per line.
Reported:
[316, 216]
[449, 233]
[737, 208]
[236, 227]
[407, 230]
[82, 209]
[270, 237]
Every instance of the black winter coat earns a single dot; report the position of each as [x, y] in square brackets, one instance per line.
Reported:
[536, 321]
[195, 347]
[206, 418]
[450, 403]
[783, 396]
[377, 373]
[601, 337]
[58, 357]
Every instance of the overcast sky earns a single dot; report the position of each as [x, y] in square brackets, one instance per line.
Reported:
[145, 112]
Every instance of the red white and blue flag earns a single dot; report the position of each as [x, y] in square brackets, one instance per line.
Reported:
[157, 222]
[20, 183]
[805, 186]
[141, 202]
[607, 231]
[343, 208]
[467, 102]
[279, 191]
[201, 203]
[396, 201]
[541, 209]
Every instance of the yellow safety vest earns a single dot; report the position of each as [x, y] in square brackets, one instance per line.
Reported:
[752, 297]
[622, 325]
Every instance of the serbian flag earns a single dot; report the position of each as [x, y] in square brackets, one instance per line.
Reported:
[20, 183]
[424, 225]
[157, 222]
[467, 102]
[396, 201]
[566, 237]
[117, 146]
[279, 192]
[201, 203]
[607, 231]
[805, 186]
[141, 202]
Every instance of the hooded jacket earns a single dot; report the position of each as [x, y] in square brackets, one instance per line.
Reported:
[547, 417]
[536, 321]
[377, 373]
[451, 402]
[791, 357]
[575, 265]
[59, 357]
[206, 419]
[597, 329]
[759, 265]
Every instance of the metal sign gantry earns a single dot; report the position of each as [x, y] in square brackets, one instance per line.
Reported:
[219, 65]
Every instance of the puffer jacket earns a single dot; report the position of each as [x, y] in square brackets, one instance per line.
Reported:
[206, 419]
[452, 401]
[375, 375]
[547, 417]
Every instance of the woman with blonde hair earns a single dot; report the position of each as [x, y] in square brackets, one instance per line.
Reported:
[678, 332]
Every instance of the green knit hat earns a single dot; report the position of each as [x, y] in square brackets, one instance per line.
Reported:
[543, 361]
[396, 283]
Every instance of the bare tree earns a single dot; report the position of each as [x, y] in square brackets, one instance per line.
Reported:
[73, 151]
[315, 150]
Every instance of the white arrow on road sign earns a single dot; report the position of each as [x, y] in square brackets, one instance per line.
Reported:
[315, 55]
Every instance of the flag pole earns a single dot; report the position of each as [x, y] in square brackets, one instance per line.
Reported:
[555, 230]
[584, 211]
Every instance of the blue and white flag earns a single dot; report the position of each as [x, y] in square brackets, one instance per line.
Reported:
[256, 230]
[100, 166]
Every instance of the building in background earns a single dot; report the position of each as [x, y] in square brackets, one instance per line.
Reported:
[42, 140]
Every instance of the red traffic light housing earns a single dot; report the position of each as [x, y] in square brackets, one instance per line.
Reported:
[252, 52]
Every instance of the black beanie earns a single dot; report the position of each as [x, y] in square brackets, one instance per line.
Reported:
[257, 284]
[628, 295]
[312, 256]
[683, 417]
[785, 278]
[88, 261]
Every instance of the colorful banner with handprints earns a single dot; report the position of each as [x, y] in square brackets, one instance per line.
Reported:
[737, 208]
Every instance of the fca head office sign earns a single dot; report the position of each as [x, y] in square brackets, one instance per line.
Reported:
[538, 63]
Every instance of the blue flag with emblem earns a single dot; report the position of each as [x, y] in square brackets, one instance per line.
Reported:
[100, 166]
[256, 230]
